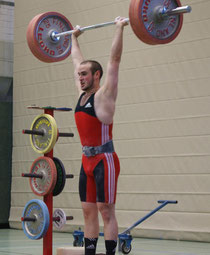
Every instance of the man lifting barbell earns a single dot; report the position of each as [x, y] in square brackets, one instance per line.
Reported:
[94, 118]
[48, 37]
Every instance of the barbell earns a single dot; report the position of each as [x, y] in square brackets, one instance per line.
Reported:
[152, 21]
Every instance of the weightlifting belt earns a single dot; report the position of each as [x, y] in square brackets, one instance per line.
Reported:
[90, 151]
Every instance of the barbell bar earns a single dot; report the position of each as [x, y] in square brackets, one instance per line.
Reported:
[160, 13]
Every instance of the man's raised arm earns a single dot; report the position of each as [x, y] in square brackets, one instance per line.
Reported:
[76, 55]
[111, 80]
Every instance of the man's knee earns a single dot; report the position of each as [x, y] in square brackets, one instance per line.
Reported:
[107, 211]
[90, 211]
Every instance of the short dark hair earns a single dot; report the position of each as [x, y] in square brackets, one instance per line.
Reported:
[95, 66]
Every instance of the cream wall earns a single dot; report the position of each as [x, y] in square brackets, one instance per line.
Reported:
[6, 38]
[162, 118]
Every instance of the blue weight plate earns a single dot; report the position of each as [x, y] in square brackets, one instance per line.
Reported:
[37, 209]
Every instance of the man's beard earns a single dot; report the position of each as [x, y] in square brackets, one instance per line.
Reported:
[89, 87]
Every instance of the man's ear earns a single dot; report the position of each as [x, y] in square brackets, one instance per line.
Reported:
[97, 74]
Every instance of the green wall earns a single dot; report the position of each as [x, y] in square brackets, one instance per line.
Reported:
[5, 148]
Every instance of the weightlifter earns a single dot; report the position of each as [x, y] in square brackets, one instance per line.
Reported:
[94, 119]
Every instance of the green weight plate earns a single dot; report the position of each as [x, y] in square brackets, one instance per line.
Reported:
[61, 177]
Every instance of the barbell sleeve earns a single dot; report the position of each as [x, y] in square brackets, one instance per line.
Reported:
[40, 176]
[162, 12]
[33, 132]
[178, 10]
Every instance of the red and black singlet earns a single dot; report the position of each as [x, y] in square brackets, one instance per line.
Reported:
[99, 173]
[92, 132]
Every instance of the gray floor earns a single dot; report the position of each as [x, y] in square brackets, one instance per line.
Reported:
[15, 242]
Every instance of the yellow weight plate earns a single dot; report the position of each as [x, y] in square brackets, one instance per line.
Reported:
[46, 124]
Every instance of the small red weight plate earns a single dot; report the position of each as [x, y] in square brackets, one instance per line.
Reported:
[39, 39]
[44, 166]
[145, 25]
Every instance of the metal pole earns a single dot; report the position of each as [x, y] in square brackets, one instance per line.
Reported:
[163, 203]
[48, 199]
[33, 132]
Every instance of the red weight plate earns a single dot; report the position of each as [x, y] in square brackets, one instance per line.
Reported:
[44, 166]
[39, 39]
[136, 24]
[150, 30]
